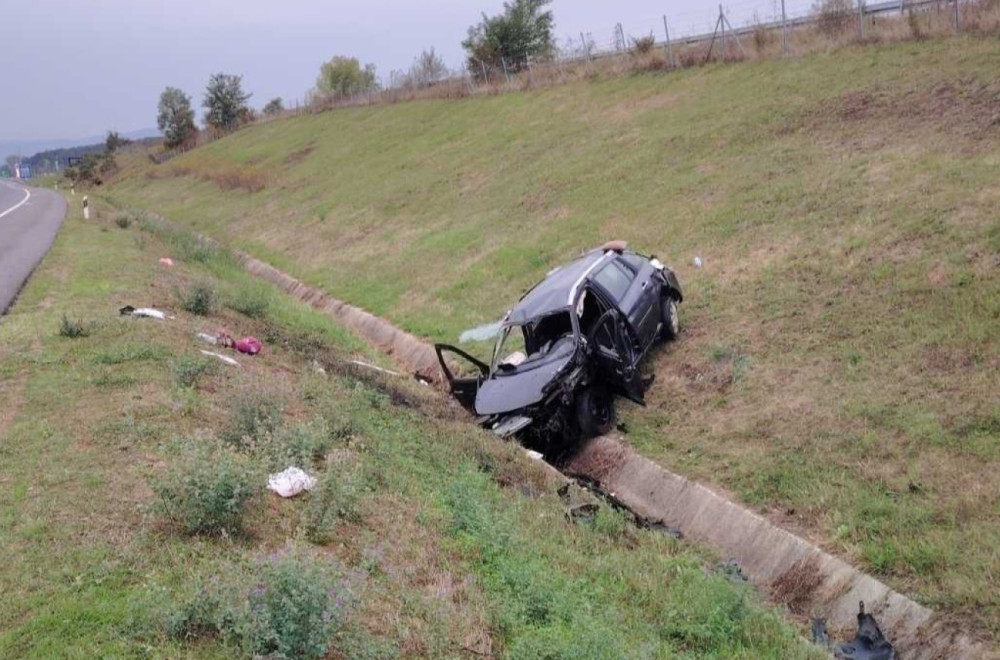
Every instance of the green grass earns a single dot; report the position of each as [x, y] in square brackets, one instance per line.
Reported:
[839, 358]
[436, 555]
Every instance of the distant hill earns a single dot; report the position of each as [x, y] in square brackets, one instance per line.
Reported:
[30, 148]
[57, 159]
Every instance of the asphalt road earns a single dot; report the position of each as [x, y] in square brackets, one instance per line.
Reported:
[29, 221]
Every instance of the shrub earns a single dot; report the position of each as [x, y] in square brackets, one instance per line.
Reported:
[289, 606]
[303, 446]
[123, 219]
[207, 491]
[188, 369]
[252, 301]
[198, 299]
[643, 45]
[254, 418]
[72, 329]
[335, 499]
[833, 16]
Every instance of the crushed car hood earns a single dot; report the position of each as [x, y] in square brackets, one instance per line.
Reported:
[510, 392]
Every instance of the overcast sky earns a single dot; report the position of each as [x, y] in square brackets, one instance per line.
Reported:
[75, 68]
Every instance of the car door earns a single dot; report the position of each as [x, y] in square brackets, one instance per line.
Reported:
[635, 294]
[642, 302]
[610, 346]
[463, 387]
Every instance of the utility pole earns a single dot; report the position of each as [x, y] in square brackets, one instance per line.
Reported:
[670, 49]
[861, 20]
[586, 50]
[784, 29]
[725, 50]
[958, 16]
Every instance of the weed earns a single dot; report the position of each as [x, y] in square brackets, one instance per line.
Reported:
[287, 606]
[252, 301]
[833, 17]
[72, 329]
[125, 219]
[207, 490]
[189, 369]
[255, 416]
[335, 499]
[643, 45]
[198, 299]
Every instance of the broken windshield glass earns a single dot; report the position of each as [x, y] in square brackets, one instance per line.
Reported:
[525, 345]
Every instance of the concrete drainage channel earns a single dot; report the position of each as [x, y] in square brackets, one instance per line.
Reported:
[797, 571]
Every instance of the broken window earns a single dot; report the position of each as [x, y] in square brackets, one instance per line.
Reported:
[533, 342]
[616, 279]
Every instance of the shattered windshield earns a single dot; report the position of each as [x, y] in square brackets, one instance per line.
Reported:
[523, 346]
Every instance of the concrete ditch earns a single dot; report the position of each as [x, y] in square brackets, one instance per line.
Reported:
[795, 571]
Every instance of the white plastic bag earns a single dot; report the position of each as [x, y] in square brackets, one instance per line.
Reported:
[291, 482]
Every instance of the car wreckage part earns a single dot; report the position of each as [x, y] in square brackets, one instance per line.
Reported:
[595, 411]
[868, 644]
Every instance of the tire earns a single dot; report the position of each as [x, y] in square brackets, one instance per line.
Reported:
[595, 411]
[671, 319]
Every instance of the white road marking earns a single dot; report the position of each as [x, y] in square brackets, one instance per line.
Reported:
[27, 196]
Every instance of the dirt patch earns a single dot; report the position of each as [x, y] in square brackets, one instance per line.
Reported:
[629, 110]
[299, 155]
[966, 107]
[796, 587]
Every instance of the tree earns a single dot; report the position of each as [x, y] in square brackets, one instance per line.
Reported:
[274, 107]
[226, 102]
[521, 32]
[115, 141]
[428, 68]
[175, 118]
[345, 75]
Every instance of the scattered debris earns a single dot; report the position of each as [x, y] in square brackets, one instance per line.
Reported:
[318, 368]
[247, 345]
[423, 380]
[359, 363]
[582, 514]
[147, 312]
[660, 526]
[698, 263]
[205, 337]
[167, 261]
[482, 333]
[820, 636]
[534, 455]
[291, 482]
[228, 360]
[868, 644]
[731, 571]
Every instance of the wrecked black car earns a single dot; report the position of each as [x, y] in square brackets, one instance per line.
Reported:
[569, 345]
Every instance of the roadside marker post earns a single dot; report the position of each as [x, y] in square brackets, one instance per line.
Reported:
[86, 208]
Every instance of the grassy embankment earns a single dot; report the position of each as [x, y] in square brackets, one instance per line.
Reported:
[433, 539]
[839, 360]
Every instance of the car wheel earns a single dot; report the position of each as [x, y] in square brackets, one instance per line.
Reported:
[595, 411]
[671, 319]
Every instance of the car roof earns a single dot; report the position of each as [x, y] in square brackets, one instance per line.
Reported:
[556, 291]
